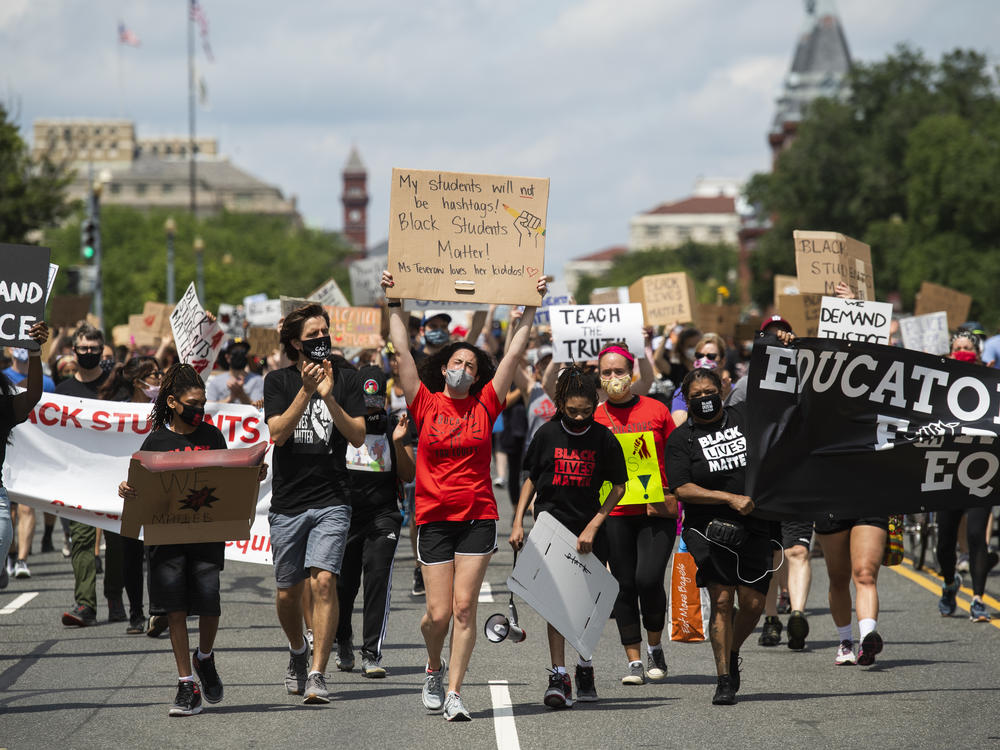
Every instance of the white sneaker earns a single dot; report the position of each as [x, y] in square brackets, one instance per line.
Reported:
[454, 709]
[21, 569]
[845, 654]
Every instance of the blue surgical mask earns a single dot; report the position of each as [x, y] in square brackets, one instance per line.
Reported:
[436, 336]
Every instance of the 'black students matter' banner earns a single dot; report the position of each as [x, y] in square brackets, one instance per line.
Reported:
[845, 429]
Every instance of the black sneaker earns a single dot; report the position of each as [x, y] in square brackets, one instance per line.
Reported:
[345, 656]
[559, 694]
[158, 624]
[871, 645]
[418, 583]
[188, 700]
[79, 617]
[735, 660]
[770, 634]
[136, 624]
[116, 611]
[798, 629]
[586, 690]
[656, 665]
[725, 695]
[209, 676]
[100, 566]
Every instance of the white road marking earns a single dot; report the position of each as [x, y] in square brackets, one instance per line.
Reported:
[503, 716]
[486, 592]
[18, 602]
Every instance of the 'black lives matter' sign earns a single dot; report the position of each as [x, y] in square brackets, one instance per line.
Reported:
[24, 278]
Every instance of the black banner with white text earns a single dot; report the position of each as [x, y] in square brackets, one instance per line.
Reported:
[842, 429]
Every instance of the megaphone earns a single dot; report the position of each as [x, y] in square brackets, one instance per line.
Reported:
[499, 628]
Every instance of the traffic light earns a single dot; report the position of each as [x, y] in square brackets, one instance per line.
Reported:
[88, 239]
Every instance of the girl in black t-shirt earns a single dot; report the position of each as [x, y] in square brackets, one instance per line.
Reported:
[568, 460]
[184, 578]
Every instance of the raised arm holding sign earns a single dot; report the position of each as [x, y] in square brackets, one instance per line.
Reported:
[24, 281]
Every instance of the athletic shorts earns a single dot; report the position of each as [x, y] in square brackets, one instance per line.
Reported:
[749, 566]
[796, 533]
[826, 526]
[185, 578]
[439, 541]
[314, 538]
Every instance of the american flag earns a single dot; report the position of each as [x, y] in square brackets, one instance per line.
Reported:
[199, 17]
[127, 36]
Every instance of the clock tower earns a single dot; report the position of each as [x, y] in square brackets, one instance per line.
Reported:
[355, 200]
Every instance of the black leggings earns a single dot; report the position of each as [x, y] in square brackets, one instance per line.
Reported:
[638, 550]
[947, 539]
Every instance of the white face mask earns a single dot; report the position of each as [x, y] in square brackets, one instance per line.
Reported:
[151, 391]
[689, 353]
[458, 379]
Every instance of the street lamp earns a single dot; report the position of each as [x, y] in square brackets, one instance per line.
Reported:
[97, 186]
[199, 256]
[170, 227]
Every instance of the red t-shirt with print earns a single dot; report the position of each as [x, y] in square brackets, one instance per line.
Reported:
[639, 414]
[453, 455]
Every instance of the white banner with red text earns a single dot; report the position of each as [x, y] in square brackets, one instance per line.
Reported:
[72, 453]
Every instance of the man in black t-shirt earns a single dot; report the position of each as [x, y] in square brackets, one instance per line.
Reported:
[312, 411]
[88, 347]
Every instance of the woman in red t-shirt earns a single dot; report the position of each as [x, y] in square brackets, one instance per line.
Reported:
[640, 536]
[454, 402]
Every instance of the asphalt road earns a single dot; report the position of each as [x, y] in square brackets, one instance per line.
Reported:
[934, 685]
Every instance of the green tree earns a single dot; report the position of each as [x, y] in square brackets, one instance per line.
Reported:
[709, 266]
[910, 164]
[244, 254]
[32, 192]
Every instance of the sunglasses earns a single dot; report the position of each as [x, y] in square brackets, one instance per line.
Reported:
[707, 355]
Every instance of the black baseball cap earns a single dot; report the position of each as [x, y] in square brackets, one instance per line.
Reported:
[373, 386]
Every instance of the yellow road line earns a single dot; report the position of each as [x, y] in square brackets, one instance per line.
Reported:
[964, 589]
[931, 584]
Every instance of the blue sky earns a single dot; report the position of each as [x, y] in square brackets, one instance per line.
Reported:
[623, 104]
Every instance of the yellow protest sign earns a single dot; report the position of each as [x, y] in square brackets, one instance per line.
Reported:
[644, 480]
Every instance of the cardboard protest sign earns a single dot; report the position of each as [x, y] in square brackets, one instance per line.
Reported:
[572, 592]
[263, 341]
[579, 332]
[366, 280]
[785, 285]
[198, 339]
[824, 258]
[558, 295]
[263, 312]
[139, 334]
[330, 294]
[854, 320]
[120, 335]
[802, 312]
[193, 496]
[355, 326]
[926, 333]
[69, 309]
[934, 297]
[472, 237]
[747, 331]
[666, 298]
[610, 295]
[290, 304]
[720, 319]
[24, 279]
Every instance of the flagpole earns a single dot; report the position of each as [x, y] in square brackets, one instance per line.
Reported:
[192, 175]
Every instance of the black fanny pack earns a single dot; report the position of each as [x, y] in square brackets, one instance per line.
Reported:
[732, 534]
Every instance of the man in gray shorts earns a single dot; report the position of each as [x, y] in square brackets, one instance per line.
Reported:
[312, 410]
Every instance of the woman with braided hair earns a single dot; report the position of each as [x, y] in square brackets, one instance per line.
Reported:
[184, 578]
[568, 461]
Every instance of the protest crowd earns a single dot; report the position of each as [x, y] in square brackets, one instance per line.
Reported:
[653, 442]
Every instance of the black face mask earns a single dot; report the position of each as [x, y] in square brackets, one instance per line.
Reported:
[192, 415]
[88, 361]
[376, 424]
[238, 359]
[706, 407]
[317, 349]
[107, 365]
[577, 425]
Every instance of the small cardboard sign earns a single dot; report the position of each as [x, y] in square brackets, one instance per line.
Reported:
[193, 496]
[666, 298]
[290, 304]
[610, 295]
[580, 332]
[934, 297]
[720, 319]
[330, 294]
[263, 341]
[802, 313]
[366, 280]
[467, 237]
[69, 309]
[263, 312]
[574, 593]
[854, 320]
[926, 333]
[197, 337]
[558, 295]
[355, 327]
[24, 281]
[120, 336]
[824, 258]
[139, 334]
[785, 285]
